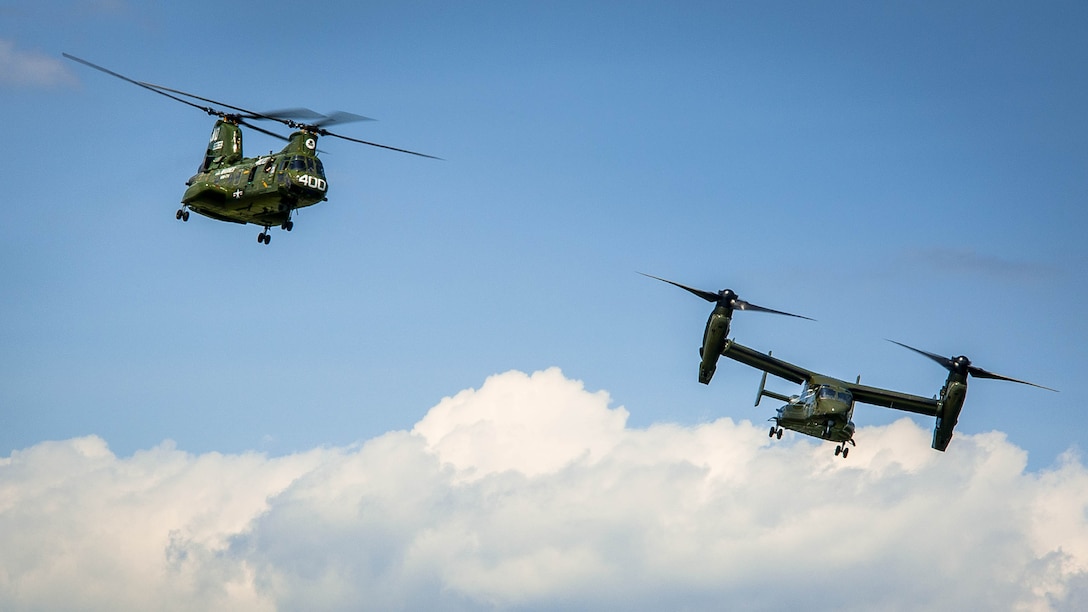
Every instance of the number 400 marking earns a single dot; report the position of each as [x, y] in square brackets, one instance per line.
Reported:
[313, 182]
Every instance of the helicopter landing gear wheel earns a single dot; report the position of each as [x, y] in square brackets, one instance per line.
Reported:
[182, 215]
[842, 449]
[264, 237]
[771, 433]
[288, 225]
[776, 431]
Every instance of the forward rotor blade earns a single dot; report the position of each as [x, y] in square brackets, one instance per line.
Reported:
[945, 362]
[318, 120]
[294, 113]
[334, 117]
[341, 117]
[374, 144]
[706, 295]
[742, 305]
[978, 372]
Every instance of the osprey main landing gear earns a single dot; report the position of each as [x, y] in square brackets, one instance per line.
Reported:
[264, 236]
[843, 449]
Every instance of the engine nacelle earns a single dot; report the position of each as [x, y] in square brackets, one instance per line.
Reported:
[952, 397]
[714, 336]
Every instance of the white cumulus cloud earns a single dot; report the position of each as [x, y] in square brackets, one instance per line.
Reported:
[532, 493]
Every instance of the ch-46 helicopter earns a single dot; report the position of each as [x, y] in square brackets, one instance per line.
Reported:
[717, 326]
[825, 407]
[262, 190]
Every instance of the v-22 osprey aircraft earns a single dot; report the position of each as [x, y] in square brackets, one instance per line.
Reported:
[825, 407]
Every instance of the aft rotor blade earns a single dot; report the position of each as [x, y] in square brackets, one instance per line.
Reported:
[742, 305]
[374, 144]
[251, 114]
[945, 362]
[263, 131]
[706, 295]
[978, 372]
[159, 90]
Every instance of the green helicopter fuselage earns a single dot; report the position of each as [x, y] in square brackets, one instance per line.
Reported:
[260, 190]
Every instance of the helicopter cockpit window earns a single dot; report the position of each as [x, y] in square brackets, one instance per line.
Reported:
[298, 163]
[318, 167]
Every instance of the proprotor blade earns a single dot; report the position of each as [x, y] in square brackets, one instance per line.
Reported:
[945, 362]
[742, 305]
[706, 295]
[975, 371]
[978, 372]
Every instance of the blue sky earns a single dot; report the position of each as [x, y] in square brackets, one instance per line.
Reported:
[913, 171]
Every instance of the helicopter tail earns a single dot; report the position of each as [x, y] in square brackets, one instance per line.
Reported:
[224, 147]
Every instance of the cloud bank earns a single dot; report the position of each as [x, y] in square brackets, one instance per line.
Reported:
[531, 493]
[28, 69]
